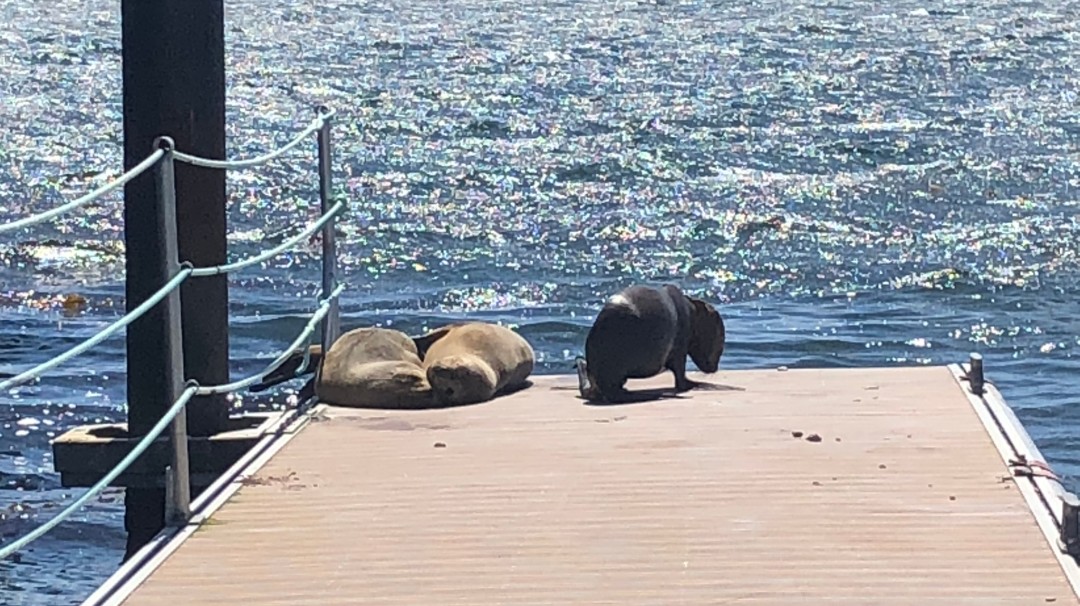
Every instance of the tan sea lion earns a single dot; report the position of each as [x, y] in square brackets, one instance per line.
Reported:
[367, 367]
[473, 362]
[373, 368]
[640, 332]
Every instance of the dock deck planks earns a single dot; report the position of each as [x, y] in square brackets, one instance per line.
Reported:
[707, 498]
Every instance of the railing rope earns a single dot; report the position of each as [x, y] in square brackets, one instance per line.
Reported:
[326, 306]
[104, 482]
[165, 291]
[107, 332]
[273, 252]
[163, 160]
[317, 124]
[171, 416]
[320, 123]
[135, 171]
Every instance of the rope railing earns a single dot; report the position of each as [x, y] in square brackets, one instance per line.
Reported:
[326, 313]
[107, 332]
[104, 482]
[305, 335]
[229, 268]
[187, 271]
[161, 293]
[324, 115]
[120, 181]
[191, 390]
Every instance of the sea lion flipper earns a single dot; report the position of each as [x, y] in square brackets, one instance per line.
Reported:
[425, 341]
[586, 388]
[287, 370]
[307, 391]
[678, 367]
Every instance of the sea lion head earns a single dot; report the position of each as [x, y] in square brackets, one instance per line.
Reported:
[706, 335]
[461, 379]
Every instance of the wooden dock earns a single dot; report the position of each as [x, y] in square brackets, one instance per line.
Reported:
[855, 486]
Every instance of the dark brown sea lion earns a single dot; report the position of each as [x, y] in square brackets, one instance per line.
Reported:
[643, 330]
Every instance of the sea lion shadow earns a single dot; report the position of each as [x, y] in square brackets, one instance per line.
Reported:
[433, 405]
[512, 389]
[708, 386]
[640, 396]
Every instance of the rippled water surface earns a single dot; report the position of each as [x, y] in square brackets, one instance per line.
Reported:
[856, 183]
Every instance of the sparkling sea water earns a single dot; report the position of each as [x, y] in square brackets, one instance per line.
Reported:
[853, 183]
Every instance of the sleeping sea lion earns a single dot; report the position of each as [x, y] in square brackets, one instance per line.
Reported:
[640, 332]
[473, 362]
[373, 368]
[365, 368]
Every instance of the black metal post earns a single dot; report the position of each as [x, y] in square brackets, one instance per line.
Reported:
[174, 85]
[1069, 533]
[976, 380]
[332, 324]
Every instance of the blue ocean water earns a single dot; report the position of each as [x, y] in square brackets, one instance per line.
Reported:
[854, 183]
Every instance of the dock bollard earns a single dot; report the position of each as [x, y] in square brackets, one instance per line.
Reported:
[1069, 539]
[975, 374]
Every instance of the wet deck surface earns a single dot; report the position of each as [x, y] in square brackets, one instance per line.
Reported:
[536, 498]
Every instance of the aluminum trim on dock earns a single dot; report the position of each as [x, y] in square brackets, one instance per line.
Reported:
[1043, 495]
[146, 560]
[707, 498]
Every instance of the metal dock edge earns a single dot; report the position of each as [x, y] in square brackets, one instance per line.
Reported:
[145, 561]
[1044, 495]
[566, 503]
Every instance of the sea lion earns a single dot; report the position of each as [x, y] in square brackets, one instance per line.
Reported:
[373, 368]
[643, 330]
[367, 367]
[473, 362]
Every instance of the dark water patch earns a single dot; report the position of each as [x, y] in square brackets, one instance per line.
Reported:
[25, 481]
